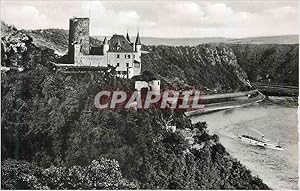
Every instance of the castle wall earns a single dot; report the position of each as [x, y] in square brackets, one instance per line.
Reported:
[153, 85]
[123, 61]
[140, 84]
[92, 60]
[79, 32]
[113, 60]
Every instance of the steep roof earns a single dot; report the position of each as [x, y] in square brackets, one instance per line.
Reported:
[138, 40]
[105, 41]
[127, 37]
[121, 42]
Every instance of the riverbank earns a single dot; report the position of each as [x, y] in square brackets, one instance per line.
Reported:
[278, 169]
[281, 101]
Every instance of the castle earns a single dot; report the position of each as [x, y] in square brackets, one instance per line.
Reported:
[118, 51]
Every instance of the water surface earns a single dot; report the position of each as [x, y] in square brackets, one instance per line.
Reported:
[278, 169]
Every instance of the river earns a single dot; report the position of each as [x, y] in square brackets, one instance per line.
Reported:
[278, 169]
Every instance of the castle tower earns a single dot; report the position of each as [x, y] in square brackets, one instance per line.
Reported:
[105, 45]
[138, 47]
[138, 44]
[77, 53]
[79, 32]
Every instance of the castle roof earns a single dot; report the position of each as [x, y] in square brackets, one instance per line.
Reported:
[96, 50]
[105, 41]
[121, 42]
[127, 37]
[138, 40]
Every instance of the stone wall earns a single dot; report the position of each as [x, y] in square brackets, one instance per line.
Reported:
[92, 60]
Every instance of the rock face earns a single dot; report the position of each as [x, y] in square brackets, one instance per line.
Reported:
[56, 39]
[269, 63]
[208, 67]
[13, 46]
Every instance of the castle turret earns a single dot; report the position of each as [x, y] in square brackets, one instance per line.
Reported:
[138, 47]
[138, 44]
[105, 45]
[79, 32]
[127, 37]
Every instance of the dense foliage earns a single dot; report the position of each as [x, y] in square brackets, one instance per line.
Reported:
[206, 67]
[102, 174]
[275, 64]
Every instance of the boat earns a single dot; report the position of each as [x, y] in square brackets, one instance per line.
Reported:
[262, 143]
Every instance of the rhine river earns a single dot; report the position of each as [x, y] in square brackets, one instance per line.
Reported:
[278, 169]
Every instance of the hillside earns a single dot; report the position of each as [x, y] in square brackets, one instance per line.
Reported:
[269, 63]
[56, 39]
[60, 141]
[284, 39]
[206, 67]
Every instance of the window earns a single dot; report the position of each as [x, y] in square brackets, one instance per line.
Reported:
[136, 65]
[133, 56]
[118, 55]
[119, 72]
[128, 56]
[127, 65]
[118, 64]
[124, 72]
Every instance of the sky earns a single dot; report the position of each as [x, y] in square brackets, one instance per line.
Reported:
[167, 19]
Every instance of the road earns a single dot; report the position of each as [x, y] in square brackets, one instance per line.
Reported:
[276, 90]
[236, 102]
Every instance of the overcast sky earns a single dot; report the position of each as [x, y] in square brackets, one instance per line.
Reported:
[231, 18]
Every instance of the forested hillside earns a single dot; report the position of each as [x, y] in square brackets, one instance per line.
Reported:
[52, 137]
[275, 64]
[206, 67]
[211, 67]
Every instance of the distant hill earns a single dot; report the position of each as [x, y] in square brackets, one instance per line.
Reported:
[283, 39]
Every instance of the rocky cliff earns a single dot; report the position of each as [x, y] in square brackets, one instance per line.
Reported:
[269, 63]
[207, 67]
